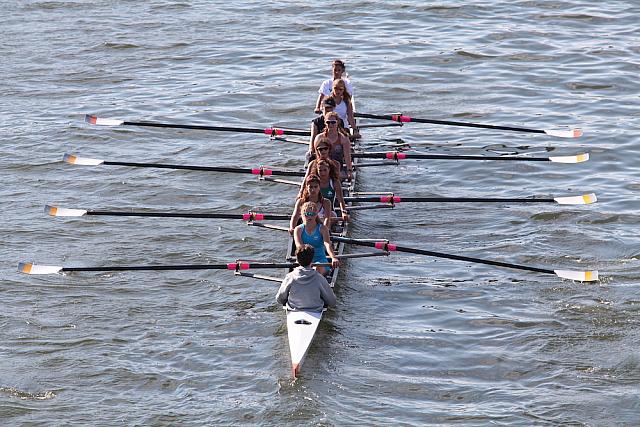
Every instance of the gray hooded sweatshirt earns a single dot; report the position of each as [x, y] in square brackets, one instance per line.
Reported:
[305, 289]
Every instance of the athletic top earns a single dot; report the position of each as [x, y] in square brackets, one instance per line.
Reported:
[341, 109]
[329, 192]
[337, 152]
[327, 86]
[315, 239]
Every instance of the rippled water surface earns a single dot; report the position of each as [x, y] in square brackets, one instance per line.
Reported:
[414, 340]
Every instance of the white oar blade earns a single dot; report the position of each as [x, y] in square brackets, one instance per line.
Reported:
[56, 211]
[84, 161]
[581, 276]
[570, 159]
[585, 199]
[29, 268]
[94, 120]
[571, 133]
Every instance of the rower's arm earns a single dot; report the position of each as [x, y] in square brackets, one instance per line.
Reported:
[319, 102]
[351, 119]
[339, 195]
[295, 216]
[283, 293]
[312, 138]
[346, 149]
[327, 242]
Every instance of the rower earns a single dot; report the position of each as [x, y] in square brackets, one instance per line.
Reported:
[338, 69]
[313, 232]
[339, 143]
[330, 186]
[304, 288]
[344, 105]
[310, 192]
[322, 151]
[318, 124]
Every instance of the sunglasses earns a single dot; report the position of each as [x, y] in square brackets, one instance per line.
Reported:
[323, 148]
[310, 213]
[332, 122]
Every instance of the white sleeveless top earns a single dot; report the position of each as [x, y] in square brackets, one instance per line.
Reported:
[341, 109]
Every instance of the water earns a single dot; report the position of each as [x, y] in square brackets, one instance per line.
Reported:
[414, 340]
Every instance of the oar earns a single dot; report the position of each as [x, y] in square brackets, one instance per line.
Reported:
[585, 199]
[583, 276]
[396, 156]
[249, 216]
[30, 268]
[261, 171]
[571, 133]
[272, 131]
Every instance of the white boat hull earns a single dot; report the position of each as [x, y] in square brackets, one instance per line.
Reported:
[301, 328]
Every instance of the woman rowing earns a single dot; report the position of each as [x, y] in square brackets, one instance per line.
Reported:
[339, 143]
[318, 124]
[311, 193]
[344, 106]
[313, 232]
[338, 69]
[330, 186]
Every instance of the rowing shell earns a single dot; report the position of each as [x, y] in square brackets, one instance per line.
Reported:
[302, 325]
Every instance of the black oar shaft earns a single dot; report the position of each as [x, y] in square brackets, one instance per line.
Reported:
[229, 266]
[248, 216]
[445, 122]
[400, 156]
[443, 255]
[214, 128]
[390, 199]
[228, 169]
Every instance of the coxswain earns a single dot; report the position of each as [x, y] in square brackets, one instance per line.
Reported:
[305, 288]
[338, 69]
[313, 232]
[311, 193]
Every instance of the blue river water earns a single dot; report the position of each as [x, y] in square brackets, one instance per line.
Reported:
[414, 340]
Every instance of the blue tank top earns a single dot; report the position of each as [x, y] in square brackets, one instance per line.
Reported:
[315, 239]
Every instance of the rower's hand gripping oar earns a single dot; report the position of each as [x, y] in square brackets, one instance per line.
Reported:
[271, 131]
[571, 133]
[582, 276]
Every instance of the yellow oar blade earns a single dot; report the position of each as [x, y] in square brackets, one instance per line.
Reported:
[581, 276]
[585, 199]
